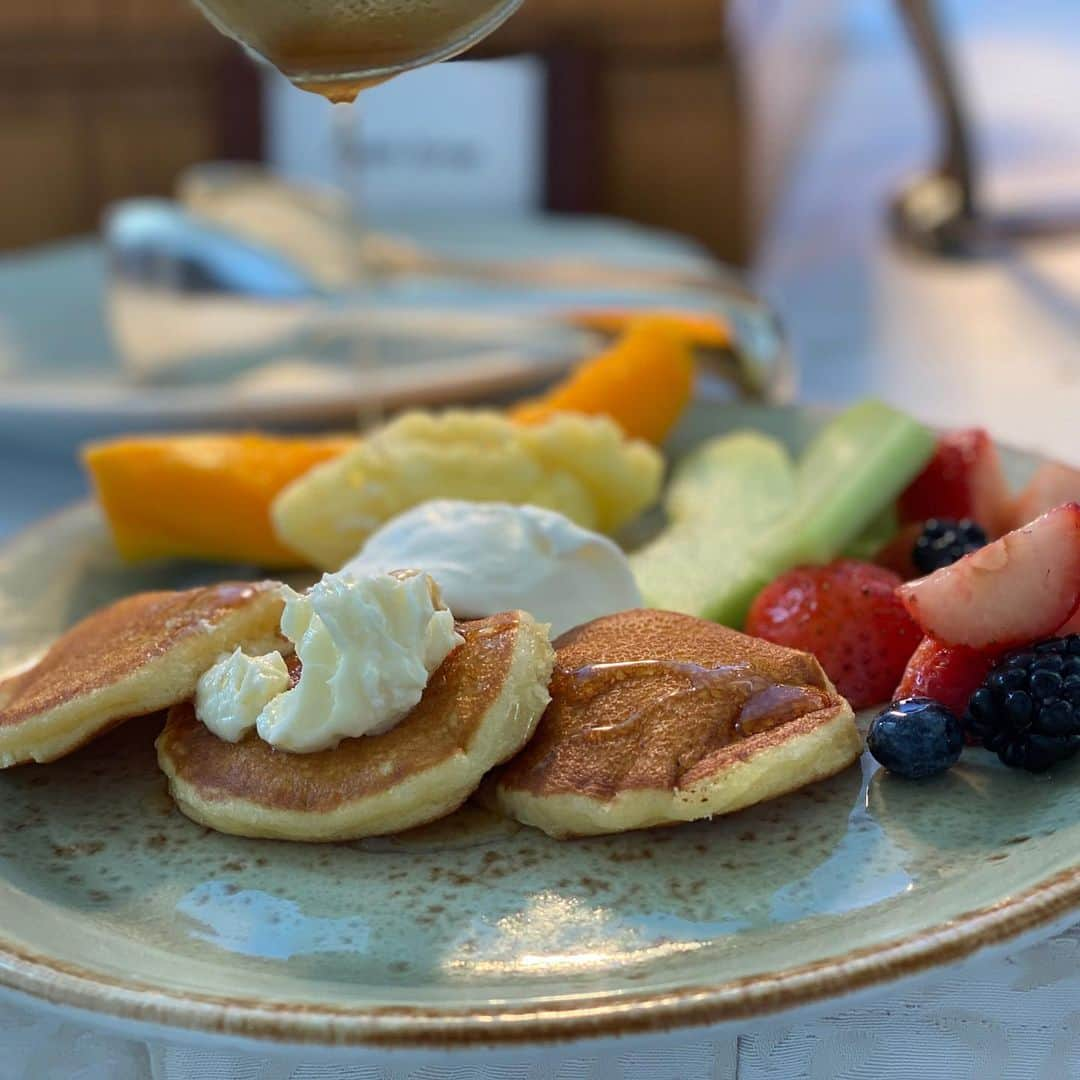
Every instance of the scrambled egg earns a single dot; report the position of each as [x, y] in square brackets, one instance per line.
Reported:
[583, 467]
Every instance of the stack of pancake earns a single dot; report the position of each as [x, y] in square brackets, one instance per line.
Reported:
[638, 719]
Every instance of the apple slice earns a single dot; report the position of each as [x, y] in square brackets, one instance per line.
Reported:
[1018, 589]
[963, 479]
[946, 673]
[1052, 485]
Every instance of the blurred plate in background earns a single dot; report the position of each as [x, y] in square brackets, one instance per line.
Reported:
[439, 336]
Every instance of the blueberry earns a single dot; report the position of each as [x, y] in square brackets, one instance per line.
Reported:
[944, 541]
[916, 738]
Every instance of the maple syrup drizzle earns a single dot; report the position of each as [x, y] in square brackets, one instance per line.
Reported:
[759, 704]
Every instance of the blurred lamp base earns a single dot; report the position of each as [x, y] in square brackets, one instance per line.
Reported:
[933, 214]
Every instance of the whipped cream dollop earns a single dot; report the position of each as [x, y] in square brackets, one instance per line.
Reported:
[367, 645]
[231, 695]
[492, 557]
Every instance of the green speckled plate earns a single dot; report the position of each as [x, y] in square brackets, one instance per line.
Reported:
[474, 930]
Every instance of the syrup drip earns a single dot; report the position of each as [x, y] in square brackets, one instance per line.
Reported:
[747, 703]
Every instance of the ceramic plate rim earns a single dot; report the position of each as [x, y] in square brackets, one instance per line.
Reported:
[590, 1016]
[552, 1020]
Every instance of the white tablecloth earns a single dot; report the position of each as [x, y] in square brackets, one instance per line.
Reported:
[997, 344]
[1002, 1019]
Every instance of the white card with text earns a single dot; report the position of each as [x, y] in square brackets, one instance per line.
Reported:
[465, 136]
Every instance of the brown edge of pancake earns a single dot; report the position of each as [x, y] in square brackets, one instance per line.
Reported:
[556, 786]
[811, 748]
[251, 789]
[137, 656]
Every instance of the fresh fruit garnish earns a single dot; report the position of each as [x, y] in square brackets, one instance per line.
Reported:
[943, 541]
[881, 532]
[1052, 485]
[898, 554]
[946, 673]
[202, 496]
[846, 480]
[1071, 627]
[849, 475]
[1016, 590]
[582, 466]
[963, 479]
[916, 738]
[848, 615]
[643, 383]
[701, 330]
[720, 497]
[1028, 709]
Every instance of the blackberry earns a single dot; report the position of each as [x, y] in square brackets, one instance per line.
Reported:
[916, 738]
[1028, 709]
[944, 541]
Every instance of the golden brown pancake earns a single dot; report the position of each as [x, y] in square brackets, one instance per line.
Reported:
[141, 654]
[480, 707]
[657, 718]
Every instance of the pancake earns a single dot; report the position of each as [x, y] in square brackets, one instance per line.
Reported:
[480, 707]
[141, 654]
[659, 718]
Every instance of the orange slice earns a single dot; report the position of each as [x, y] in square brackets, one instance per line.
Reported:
[643, 382]
[703, 331]
[204, 496]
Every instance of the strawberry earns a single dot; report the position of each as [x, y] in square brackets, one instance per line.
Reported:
[948, 674]
[963, 479]
[1021, 588]
[1052, 485]
[848, 615]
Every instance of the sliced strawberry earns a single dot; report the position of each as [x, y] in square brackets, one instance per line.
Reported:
[1052, 485]
[946, 673]
[846, 614]
[963, 479]
[1071, 627]
[1016, 590]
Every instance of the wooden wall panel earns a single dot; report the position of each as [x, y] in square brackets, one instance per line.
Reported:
[105, 98]
[102, 99]
[674, 156]
[667, 123]
[42, 156]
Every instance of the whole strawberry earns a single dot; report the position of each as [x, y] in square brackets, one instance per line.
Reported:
[848, 615]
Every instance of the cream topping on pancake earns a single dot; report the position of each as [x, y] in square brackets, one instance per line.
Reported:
[232, 694]
[368, 647]
[478, 709]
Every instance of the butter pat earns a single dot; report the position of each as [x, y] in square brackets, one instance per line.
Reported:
[231, 695]
[368, 647]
